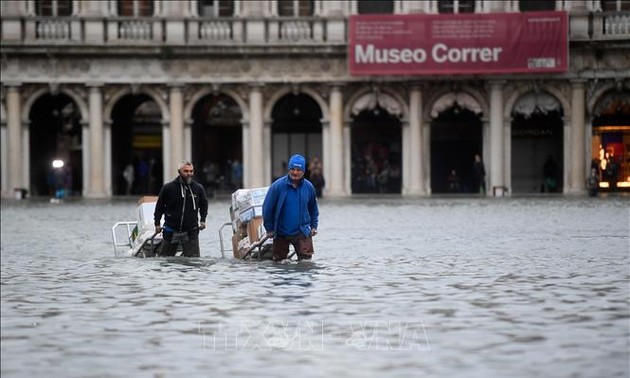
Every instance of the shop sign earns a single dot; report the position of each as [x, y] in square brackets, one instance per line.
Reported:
[423, 44]
[531, 132]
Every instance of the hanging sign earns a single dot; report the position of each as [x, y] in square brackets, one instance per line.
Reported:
[423, 44]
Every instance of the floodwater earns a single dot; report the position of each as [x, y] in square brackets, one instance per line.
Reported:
[437, 287]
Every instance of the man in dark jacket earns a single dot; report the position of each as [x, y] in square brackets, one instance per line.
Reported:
[290, 212]
[184, 205]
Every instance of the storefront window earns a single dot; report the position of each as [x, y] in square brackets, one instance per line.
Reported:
[611, 141]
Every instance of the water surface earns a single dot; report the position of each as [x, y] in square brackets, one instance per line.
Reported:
[444, 287]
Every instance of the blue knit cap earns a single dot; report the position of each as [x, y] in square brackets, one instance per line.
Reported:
[297, 162]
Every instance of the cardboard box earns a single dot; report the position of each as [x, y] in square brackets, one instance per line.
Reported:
[235, 240]
[233, 213]
[255, 229]
[145, 215]
[258, 196]
[245, 198]
[146, 199]
[250, 213]
[242, 247]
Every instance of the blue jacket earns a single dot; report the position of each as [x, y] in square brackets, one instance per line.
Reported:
[309, 212]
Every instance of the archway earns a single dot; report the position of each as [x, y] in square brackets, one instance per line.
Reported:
[296, 129]
[537, 144]
[55, 136]
[136, 146]
[611, 140]
[456, 137]
[217, 143]
[376, 144]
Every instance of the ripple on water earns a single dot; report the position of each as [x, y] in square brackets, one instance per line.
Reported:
[437, 287]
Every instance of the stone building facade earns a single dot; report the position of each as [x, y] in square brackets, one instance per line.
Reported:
[238, 86]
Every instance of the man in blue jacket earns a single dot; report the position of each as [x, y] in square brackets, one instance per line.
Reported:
[290, 212]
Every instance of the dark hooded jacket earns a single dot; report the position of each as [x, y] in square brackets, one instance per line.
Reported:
[180, 203]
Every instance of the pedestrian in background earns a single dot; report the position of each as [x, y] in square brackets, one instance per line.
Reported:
[317, 176]
[480, 175]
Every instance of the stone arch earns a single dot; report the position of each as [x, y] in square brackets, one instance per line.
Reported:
[522, 90]
[114, 163]
[276, 95]
[375, 118]
[601, 94]
[455, 134]
[33, 97]
[46, 140]
[198, 95]
[539, 158]
[465, 94]
[152, 93]
[215, 148]
[363, 93]
[287, 133]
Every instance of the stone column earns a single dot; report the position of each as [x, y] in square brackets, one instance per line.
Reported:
[426, 155]
[176, 105]
[577, 175]
[335, 184]
[347, 159]
[487, 153]
[14, 136]
[497, 158]
[246, 155]
[405, 165]
[256, 163]
[96, 158]
[416, 185]
[168, 170]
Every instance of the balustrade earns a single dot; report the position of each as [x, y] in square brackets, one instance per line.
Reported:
[135, 30]
[215, 31]
[617, 25]
[308, 30]
[52, 29]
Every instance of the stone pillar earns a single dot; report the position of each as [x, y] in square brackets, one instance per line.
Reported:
[425, 148]
[14, 136]
[176, 105]
[487, 153]
[256, 163]
[497, 158]
[96, 158]
[168, 170]
[335, 184]
[577, 175]
[347, 159]
[416, 184]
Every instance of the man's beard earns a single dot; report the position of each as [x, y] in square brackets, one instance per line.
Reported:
[187, 180]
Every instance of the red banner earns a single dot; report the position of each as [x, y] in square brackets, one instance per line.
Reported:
[422, 44]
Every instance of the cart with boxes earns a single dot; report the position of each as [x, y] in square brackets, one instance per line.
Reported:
[138, 238]
[249, 237]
